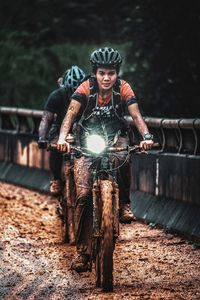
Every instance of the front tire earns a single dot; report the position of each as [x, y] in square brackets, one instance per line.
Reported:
[64, 222]
[67, 205]
[107, 240]
[70, 205]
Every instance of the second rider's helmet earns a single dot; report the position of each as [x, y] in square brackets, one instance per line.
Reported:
[73, 77]
[107, 57]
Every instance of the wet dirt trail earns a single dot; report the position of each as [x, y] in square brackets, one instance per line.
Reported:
[148, 263]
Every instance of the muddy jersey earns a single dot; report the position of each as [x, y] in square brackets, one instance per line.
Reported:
[82, 94]
[104, 116]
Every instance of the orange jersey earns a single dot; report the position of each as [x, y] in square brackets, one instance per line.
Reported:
[126, 92]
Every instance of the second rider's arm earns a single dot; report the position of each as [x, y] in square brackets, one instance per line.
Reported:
[46, 121]
[67, 123]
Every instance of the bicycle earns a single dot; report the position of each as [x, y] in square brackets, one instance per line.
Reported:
[105, 194]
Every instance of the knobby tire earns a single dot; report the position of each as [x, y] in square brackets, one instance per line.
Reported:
[107, 239]
[68, 203]
[64, 221]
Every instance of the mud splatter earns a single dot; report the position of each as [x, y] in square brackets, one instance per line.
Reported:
[148, 263]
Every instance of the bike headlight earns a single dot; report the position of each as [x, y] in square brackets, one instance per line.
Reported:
[95, 143]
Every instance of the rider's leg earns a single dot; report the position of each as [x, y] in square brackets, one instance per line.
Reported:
[83, 213]
[123, 180]
[55, 162]
[55, 165]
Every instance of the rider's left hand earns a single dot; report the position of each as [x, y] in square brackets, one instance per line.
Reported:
[63, 146]
[146, 144]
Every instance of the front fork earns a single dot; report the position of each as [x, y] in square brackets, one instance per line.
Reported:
[97, 208]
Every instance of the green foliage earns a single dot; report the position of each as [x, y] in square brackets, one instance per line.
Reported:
[159, 41]
[164, 57]
[28, 75]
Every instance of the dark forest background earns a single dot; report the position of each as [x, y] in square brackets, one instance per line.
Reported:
[159, 41]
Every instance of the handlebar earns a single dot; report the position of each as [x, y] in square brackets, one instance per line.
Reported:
[130, 149]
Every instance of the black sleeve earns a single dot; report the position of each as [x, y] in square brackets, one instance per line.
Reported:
[53, 101]
[81, 98]
[132, 100]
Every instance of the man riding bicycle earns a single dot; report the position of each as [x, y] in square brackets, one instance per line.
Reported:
[54, 111]
[100, 103]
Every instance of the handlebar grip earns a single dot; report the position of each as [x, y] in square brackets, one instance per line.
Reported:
[155, 145]
[137, 148]
[52, 147]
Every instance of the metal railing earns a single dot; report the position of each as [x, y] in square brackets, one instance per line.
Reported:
[20, 120]
[181, 136]
[173, 171]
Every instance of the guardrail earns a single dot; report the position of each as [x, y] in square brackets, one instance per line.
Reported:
[169, 172]
[18, 137]
[181, 136]
[20, 120]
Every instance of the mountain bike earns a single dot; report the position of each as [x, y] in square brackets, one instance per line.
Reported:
[105, 198]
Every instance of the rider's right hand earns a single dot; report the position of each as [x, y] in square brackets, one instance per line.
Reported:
[42, 143]
[63, 146]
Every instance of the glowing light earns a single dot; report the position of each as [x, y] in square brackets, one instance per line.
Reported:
[95, 143]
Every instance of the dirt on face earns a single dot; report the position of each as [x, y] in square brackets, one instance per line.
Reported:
[148, 262]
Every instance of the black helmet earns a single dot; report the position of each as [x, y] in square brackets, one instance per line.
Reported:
[107, 57]
[73, 77]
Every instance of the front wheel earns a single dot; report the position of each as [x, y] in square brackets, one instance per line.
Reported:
[64, 221]
[107, 239]
[69, 195]
[67, 206]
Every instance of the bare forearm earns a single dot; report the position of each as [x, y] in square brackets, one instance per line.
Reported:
[45, 123]
[138, 119]
[141, 125]
[69, 119]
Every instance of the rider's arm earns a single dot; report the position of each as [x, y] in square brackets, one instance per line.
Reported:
[78, 100]
[129, 97]
[50, 109]
[138, 119]
[140, 125]
[46, 121]
[68, 120]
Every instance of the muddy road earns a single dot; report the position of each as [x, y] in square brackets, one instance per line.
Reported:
[148, 263]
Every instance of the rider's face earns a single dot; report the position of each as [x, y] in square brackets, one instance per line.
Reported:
[106, 78]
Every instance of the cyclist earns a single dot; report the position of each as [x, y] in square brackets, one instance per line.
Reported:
[101, 101]
[54, 111]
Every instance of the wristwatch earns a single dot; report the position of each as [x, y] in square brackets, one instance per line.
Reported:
[147, 136]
